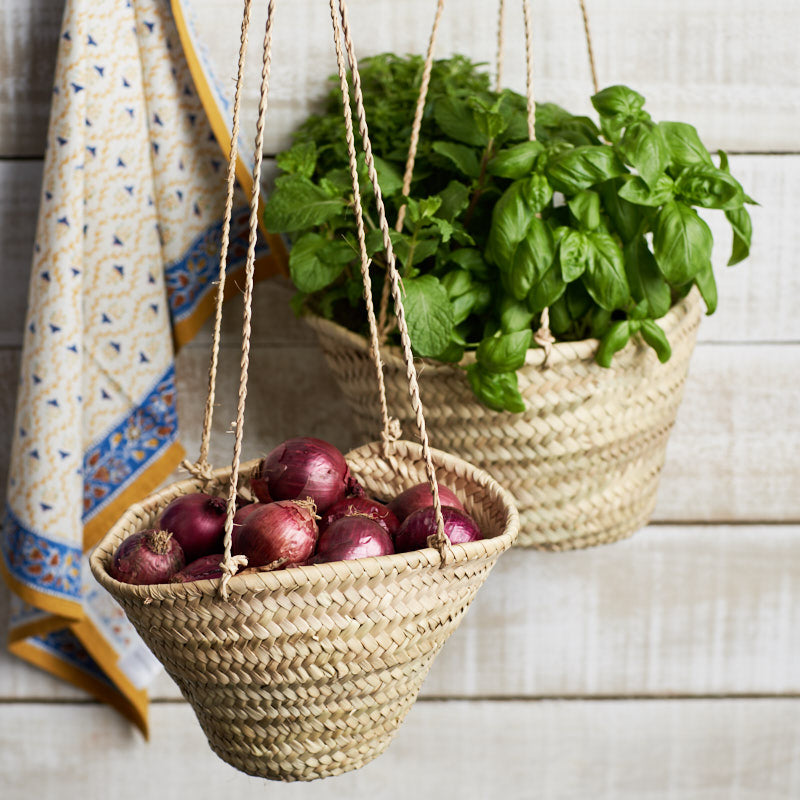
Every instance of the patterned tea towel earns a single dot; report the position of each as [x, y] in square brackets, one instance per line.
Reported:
[125, 256]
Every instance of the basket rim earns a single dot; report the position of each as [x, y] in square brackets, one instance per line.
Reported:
[582, 349]
[295, 577]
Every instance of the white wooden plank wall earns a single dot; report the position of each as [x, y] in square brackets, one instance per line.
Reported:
[665, 666]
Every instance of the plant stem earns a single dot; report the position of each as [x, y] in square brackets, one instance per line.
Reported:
[487, 153]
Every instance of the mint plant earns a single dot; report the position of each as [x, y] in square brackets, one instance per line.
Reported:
[598, 223]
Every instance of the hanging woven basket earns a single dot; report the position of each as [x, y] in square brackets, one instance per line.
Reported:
[583, 461]
[307, 672]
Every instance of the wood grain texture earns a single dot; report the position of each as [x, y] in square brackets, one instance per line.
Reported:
[757, 299]
[615, 750]
[686, 610]
[718, 64]
[29, 32]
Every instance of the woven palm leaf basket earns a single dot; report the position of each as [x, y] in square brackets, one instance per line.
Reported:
[583, 461]
[307, 672]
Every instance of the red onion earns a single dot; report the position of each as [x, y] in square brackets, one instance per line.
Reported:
[353, 537]
[417, 527]
[304, 468]
[200, 569]
[197, 521]
[351, 506]
[244, 512]
[420, 496]
[283, 531]
[147, 557]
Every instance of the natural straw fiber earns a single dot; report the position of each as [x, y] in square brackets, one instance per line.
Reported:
[307, 672]
[583, 461]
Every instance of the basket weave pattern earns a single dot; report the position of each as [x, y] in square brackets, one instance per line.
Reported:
[307, 672]
[583, 460]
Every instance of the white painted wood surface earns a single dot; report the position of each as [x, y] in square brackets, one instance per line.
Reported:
[678, 648]
[552, 750]
[727, 66]
[675, 610]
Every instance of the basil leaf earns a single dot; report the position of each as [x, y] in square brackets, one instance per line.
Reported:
[605, 274]
[684, 145]
[645, 281]
[636, 191]
[315, 262]
[600, 323]
[617, 100]
[560, 321]
[504, 353]
[471, 260]
[643, 147]
[296, 203]
[547, 290]
[538, 192]
[390, 178]
[511, 219]
[300, 159]
[625, 216]
[614, 340]
[457, 121]
[458, 285]
[571, 171]
[585, 206]
[742, 225]
[708, 288]
[500, 392]
[517, 161]
[577, 300]
[682, 242]
[709, 187]
[654, 335]
[514, 315]
[429, 314]
[532, 259]
[455, 198]
[575, 251]
[464, 158]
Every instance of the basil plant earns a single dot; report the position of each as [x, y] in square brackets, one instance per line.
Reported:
[596, 222]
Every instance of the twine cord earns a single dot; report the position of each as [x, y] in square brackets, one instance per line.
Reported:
[412, 154]
[201, 468]
[589, 47]
[388, 431]
[230, 563]
[501, 27]
[439, 539]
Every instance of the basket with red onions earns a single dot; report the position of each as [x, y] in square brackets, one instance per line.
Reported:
[299, 631]
[295, 482]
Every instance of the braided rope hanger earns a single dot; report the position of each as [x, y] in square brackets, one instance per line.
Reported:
[343, 41]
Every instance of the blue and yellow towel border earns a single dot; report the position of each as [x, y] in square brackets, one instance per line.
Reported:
[51, 628]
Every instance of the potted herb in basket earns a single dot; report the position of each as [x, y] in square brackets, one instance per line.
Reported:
[596, 223]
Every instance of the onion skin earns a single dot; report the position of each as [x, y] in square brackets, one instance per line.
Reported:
[197, 521]
[353, 537]
[351, 506]
[146, 558]
[417, 527]
[244, 512]
[203, 568]
[302, 468]
[281, 531]
[419, 496]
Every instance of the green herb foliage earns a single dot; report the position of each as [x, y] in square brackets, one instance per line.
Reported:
[596, 222]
